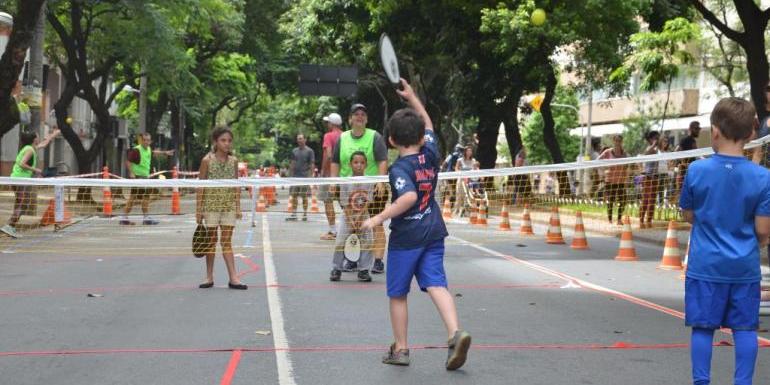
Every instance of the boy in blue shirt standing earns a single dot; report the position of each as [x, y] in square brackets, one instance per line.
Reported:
[416, 247]
[727, 199]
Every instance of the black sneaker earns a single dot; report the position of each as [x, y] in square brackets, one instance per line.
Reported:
[393, 357]
[292, 218]
[335, 275]
[304, 218]
[349, 266]
[364, 276]
[458, 350]
[379, 267]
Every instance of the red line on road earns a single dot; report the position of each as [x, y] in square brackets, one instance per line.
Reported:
[312, 286]
[235, 358]
[620, 345]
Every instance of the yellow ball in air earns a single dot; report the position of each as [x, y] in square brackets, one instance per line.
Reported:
[538, 17]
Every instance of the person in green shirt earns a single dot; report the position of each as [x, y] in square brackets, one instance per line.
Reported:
[371, 143]
[141, 170]
[26, 167]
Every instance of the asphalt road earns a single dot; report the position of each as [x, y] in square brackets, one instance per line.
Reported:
[539, 314]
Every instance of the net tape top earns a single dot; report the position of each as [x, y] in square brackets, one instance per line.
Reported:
[288, 182]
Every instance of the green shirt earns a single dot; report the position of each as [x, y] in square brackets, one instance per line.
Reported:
[348, 145]
[18, 171]
[142, 169]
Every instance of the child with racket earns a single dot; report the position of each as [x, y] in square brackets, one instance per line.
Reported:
[417, 230]
[354, 199]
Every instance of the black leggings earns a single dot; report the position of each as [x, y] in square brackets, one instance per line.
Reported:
[615, 193]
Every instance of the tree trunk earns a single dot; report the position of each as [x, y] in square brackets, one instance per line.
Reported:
[757, 66]
[665, 105]
[511, 121]
[549, 131]
[12, 60]
[487, 130]
[36, 71]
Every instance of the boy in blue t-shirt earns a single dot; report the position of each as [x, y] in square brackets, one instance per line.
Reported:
[727, 199]
[417, 230]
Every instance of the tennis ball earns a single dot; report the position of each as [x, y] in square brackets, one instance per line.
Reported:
[538, 17]
[68, 120]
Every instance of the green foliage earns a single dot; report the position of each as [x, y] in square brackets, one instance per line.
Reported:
[565, 119]
[658, 56]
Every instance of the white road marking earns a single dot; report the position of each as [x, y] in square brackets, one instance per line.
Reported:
[280, 342]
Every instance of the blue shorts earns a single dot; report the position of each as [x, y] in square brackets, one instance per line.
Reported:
[424, 263]
[711, 305]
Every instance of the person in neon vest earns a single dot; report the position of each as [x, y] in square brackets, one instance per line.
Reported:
[371, 143]
[26, 167]
[141, 170]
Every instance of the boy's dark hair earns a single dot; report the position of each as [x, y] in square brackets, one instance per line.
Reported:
[361, 153]
[405, 127]
[27, 138]
[651, 134]
[735, 118]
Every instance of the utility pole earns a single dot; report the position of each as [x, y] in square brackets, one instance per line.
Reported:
[34, 89]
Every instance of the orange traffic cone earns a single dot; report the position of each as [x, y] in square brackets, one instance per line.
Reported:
[526, 223]
[626, 251]
[474, 219]
[505, 223]
[175, 194]
[314, 204]
[482, 220]
[579, 241]
[49, 216]
[554, 236]
[447, 212]
[107, 194]
[261, 204]
[671, 259]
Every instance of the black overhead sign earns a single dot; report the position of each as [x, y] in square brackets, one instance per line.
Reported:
[341, 81]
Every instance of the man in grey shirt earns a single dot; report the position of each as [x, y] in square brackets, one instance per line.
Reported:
[302, 164]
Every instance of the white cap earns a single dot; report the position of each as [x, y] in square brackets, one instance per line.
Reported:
[334, 118]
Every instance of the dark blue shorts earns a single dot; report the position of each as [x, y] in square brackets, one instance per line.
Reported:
[424, 263]
[711, 305]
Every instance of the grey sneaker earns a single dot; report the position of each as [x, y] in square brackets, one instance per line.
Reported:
[364, 276]
[335, 275]
[393, 357]
[10, 230]
[458, 350]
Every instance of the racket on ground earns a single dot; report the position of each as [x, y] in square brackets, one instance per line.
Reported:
[352, 248]
[389, 60]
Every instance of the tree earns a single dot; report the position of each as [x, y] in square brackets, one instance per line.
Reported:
[95, 39]
[750, 35]
[565, 119]
[721, 57]
[659, 56]
[12, 60]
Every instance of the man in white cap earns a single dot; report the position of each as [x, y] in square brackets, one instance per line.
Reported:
[326, 193]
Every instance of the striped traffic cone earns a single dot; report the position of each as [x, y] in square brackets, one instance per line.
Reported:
[107, 199]
[261, 204]
[505, 223]
[626, 250]
[671, 260]
[554, 236]
[482, 219]
[526, 223]
[579, 241]
[447, 212]
[314, 204]
[474, 219]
